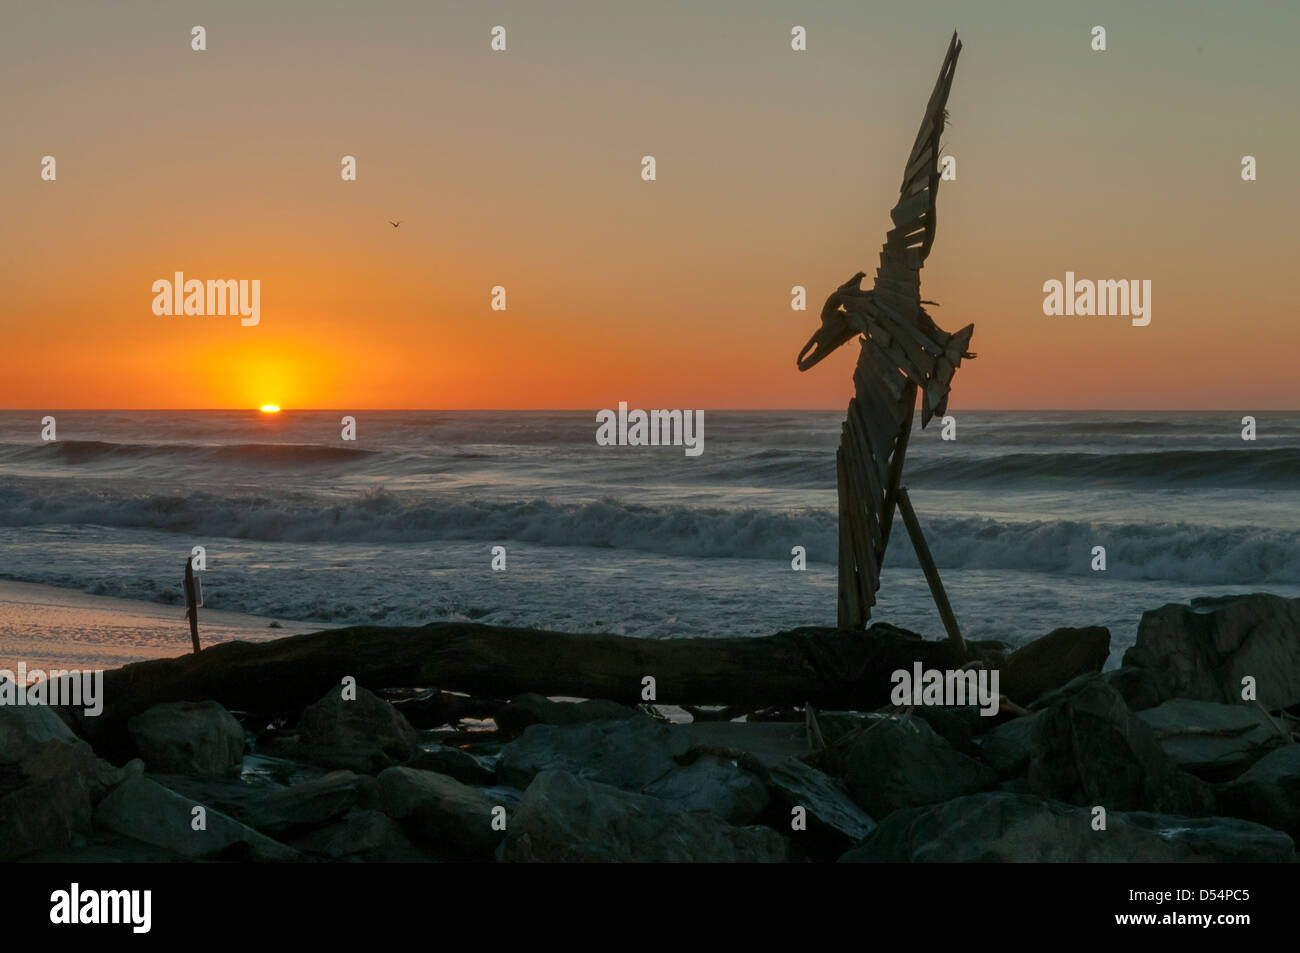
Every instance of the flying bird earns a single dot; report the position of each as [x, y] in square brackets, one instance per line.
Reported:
[394, 224]
[902, 352]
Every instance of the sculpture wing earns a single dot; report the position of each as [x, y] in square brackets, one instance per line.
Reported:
[913, 216]
[925, 354]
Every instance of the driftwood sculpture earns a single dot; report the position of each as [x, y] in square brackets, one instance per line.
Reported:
[903, 351]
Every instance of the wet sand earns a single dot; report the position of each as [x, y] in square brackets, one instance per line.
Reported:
[48, 627]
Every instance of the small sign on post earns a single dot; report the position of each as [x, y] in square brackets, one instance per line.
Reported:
[192, 602]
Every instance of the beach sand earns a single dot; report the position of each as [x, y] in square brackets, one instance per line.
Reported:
[47, 627]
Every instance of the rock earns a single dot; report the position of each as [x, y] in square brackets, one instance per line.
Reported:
[1006, 748]
[1213, 741]
[1052, 661]
[1269, 792]
[899, 762]
[1091, 750]
[36, 744]
[835, 823]
[146, 811]
[260, 767]
[439, 811]
[456, 763]
[564, 818]
[361, 835]
[768, 743]
[508, 797]
[1065, 692]
[44, 814]
[1203, 651]
[235, 797]
[107, 776]
[1003, 827]
[107, 848]
[533, 709]
[713, 784]
[195, 738]
[1139, 688]
[959, 725]
[628, 753]
[311, 803]
[836, 724]
[47, 778]
[365, 734]
[1224, 840]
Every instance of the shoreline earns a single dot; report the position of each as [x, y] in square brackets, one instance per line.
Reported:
[52, 627]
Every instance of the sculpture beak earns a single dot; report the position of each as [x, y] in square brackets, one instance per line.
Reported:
[824, 340]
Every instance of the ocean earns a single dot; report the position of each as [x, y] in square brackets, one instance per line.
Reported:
[398, 527]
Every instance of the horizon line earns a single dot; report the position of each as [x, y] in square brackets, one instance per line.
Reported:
[552, 410]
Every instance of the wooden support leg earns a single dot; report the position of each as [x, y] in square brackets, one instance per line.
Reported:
[849, 615]
[896, 468]
[931, 571]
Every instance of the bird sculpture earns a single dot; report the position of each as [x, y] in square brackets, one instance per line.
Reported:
[902, 352]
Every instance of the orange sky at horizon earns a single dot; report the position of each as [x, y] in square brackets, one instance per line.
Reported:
[523, 170]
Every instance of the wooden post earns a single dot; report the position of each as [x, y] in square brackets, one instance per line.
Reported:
[931, 571]
[191, 602]
[849, 610]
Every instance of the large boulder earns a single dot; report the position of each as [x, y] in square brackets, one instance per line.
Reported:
[144, 810]
[196, 738]
[48, 779]
[565, 818]
[41, 815]
[628, 753]
[711, 783]
[1203, 651]
[1213, 741]
[1091, 750]
[959, 725]
[108, 776]
[1053, 660]
[360, 835]
[1269, 792]
[1006, 748]
[766, 742]
[310, 803]
[834, 823]
[456, 763]
[898, 762]
[835, 725]
[235, 796]
[37, 744]
[441, 812]
[364, 733]
[1005, 827]
[1140, 688]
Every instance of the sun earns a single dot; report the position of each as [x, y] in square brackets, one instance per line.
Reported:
[270, 409]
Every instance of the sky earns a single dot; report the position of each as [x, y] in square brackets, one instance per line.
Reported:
[522, 169]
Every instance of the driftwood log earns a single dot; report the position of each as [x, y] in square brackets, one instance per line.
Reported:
[828, 668]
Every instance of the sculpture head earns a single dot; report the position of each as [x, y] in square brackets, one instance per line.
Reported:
[836, 326]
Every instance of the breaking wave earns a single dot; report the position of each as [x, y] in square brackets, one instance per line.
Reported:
[1169, 550]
